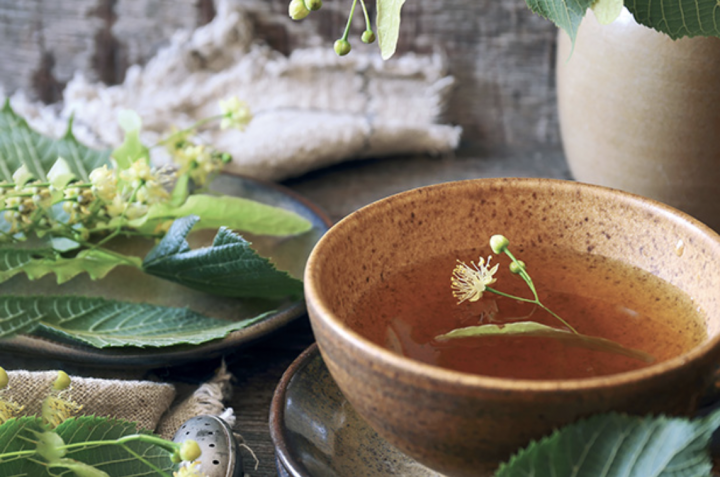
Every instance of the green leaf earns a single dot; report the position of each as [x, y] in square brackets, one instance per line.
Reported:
[619, 445]
[18, 317]
[132, 148]
[108, 323]
[607, 11]
[36, 263]
[180, 191]
[538, 330]
[20, 145]
[678, 18]
[113, 459]
[20, 434]
[566, 14]
[229, 267]
[388, 26]
[48, 458]
[234, 213]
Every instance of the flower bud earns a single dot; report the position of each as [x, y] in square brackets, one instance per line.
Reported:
[514, 268]
[368, 36]
[297, 10]
[342, 47]
[62, 381]
[190, 450]
[3, 378]
[313, 5]
[499, 243]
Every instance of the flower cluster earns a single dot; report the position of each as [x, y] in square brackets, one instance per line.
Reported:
[110, 197]
[196, 160]
[107, 196]
[58, 406]
[8, 408]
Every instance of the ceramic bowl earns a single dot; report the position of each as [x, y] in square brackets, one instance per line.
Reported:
[461, 424]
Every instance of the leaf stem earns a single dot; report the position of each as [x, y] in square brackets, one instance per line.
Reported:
[198, 124]
[535, 302]
[349, 22]
[368, 25]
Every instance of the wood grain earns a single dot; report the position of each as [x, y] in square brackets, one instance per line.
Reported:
[500, 53]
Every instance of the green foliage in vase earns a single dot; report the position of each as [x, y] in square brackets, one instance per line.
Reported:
[675, 18]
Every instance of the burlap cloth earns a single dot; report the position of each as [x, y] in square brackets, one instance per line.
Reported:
[153, 406]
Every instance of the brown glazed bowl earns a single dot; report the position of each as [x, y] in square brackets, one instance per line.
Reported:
[461, 424]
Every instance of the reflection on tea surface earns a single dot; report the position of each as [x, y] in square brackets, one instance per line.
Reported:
[597, 296]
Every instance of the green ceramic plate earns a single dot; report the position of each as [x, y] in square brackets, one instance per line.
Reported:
[288, 254]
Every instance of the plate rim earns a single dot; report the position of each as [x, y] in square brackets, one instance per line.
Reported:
[276, 417]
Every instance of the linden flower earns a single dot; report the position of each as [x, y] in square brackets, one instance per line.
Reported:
[191, 470]
[104, 182]
[56, 408]
[8, 410]
[470, 281]
[236, 113]
[138, 172]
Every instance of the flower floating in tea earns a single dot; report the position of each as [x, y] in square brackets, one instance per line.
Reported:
[469, 282]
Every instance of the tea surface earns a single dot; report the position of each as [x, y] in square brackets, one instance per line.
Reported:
[597, 296]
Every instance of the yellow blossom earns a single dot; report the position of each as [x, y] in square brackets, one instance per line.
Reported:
[104, 183]
[190, 470]
[470, 281]
[198, 162]
[58, 407]
[151, 193]
[138, 172]
[8, 410]
[116, 207]
[236, 113]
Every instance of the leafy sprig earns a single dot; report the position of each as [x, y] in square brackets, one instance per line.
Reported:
[58, 442]
[62, 215]
[469, 282]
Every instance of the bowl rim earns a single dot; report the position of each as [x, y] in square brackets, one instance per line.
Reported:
[433, 375]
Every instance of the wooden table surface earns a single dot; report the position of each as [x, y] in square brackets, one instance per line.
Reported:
[337, 190]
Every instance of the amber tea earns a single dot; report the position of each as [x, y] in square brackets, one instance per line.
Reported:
[599, 297]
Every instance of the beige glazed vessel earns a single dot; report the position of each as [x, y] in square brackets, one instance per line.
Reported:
[641, 112]
[461, 424]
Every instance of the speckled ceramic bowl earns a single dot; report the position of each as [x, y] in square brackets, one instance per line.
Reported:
[459, 423]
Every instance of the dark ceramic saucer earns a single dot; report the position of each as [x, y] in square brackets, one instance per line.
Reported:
[317, 433]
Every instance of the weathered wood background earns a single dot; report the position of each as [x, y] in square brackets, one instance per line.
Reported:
[500, 53]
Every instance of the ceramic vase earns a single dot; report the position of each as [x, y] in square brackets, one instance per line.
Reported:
[641, 112]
